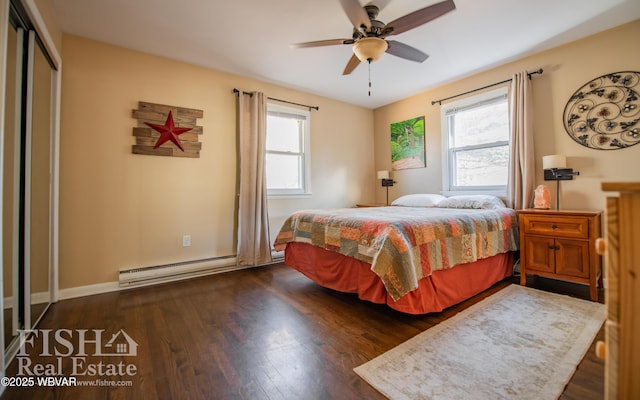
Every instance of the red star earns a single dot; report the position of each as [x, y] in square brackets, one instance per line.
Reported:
[168, 131]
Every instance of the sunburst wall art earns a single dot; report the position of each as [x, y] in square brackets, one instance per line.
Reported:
[604, 114]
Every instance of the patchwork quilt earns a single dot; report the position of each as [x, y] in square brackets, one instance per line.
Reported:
[405, 244]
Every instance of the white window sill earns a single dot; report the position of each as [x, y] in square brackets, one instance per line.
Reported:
[288, 196]
[498, 193]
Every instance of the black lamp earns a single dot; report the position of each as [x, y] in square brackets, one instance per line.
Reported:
[386, 182]
[555, 169]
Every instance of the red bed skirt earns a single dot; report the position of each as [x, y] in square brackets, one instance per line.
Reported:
[442, 289]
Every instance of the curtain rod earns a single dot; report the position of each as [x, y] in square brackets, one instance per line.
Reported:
[439, 102]
[236, 91]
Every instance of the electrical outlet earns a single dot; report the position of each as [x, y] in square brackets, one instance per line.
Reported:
[186, 240]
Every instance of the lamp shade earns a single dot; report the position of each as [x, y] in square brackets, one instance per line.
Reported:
[369, 48]
[554, 161]
[383, 174]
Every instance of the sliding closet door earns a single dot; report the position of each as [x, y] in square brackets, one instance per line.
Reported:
[27, 175]
[38, 183]
[11, 209]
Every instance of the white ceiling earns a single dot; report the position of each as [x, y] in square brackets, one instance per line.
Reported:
[252, 37]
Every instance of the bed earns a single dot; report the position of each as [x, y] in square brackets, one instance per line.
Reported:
[416, 259]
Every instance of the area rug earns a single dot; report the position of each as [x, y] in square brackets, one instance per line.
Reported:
[519, 343]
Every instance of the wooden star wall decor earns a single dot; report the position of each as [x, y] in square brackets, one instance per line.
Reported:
[165, 130]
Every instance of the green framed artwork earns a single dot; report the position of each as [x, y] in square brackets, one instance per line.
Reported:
[407, 144]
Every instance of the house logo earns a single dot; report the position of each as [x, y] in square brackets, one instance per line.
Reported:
[120, 344]
[79, 347]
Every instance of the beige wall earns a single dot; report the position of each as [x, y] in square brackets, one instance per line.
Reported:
[566, 68]
[119, 210]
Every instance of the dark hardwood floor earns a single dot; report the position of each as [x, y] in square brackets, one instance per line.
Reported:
[264, 333]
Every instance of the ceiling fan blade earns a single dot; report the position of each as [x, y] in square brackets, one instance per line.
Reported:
[318, 43]
[419, 17]
[357, 15]
[351, 65]
[405, 51]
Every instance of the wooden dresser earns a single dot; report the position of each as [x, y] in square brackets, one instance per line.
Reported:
[561, 245]
[622, 293]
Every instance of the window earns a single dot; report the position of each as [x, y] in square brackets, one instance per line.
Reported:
[476, 144]
[287, 151]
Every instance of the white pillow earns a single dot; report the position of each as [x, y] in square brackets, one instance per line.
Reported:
[418, 200]
[472, 201]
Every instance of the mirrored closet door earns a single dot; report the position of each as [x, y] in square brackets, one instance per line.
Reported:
[11, 186]
[26, 180]
[38, 182]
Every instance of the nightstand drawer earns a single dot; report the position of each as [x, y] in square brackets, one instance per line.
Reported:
[572, 227]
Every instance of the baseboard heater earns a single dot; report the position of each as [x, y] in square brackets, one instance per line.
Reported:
[176, 271]
[182, 270]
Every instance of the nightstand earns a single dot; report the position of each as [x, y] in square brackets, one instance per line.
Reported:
[561, 245]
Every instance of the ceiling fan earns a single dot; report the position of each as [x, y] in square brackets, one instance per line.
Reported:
[369, 35]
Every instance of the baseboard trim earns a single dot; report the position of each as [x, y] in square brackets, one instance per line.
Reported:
[36, 298]
[88, 290]
[107, 287]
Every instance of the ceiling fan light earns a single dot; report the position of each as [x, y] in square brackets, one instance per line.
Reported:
[369, 48]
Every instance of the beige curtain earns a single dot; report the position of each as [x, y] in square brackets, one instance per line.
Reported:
[253, 222]
[521, 183]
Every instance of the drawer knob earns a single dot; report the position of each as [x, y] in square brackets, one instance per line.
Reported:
[554, 226]
[601, 349]
[601, 246]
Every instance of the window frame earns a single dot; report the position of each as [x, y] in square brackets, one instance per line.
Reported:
[305, 153]
[448, 172]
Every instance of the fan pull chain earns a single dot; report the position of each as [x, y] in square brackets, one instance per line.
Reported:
[369, 60]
